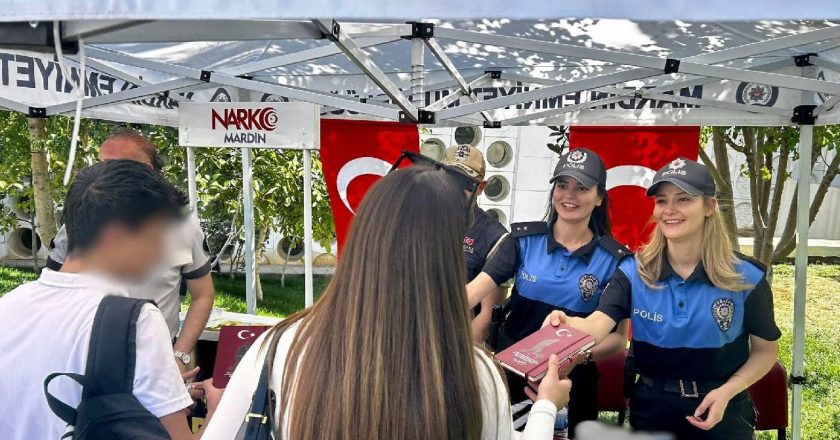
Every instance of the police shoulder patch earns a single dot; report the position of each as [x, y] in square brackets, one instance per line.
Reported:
[723, 310]
[588, 284]
[528, 228]
[615, 248]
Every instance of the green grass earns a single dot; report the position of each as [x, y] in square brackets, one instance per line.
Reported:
[821, 396]
[277, 300]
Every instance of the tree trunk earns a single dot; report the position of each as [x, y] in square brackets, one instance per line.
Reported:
[786, 246]
[753, 166]
[723, 179]
[787, 241]
[766, 254]
[44, 207]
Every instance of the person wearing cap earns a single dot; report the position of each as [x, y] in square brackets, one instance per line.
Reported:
[702, 315]
[562, 262]
[483, 237]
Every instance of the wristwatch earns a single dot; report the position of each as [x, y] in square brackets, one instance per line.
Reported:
[185, 358]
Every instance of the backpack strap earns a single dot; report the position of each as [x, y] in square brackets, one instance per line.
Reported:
[64, 411]
[113, 347]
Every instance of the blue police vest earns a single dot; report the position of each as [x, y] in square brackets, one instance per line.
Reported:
[687, 314]
[561, 279]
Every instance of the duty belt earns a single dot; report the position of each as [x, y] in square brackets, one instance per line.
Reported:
[685, 388]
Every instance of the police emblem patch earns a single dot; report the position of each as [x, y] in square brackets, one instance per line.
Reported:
[723, 310]
[676, 164]
[756, 94]
[577, 156]
[588, 286]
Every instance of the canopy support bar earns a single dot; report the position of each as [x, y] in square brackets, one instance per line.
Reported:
[248, 208]
[364, 62]
[309, 295]
[466, 90]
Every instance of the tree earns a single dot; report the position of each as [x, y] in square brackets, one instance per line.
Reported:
[768, 151]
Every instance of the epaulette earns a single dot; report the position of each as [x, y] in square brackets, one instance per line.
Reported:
[615, 248]
[528, 228]
[761, 266]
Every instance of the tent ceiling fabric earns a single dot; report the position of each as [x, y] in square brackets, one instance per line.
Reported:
[35, 10]
[563, 67]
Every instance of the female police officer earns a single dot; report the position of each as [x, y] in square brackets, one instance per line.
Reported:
[562, 262]
[703, 325]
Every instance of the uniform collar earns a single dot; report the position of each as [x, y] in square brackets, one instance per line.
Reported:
[85, 280]
[698, 274]
[584, 252]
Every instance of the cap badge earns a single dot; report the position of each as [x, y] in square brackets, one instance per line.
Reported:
[676, 164]
[462, 153]
[676, 167]
[723, 310]
[577, 156]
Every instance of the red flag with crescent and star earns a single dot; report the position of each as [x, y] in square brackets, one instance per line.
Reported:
[354, 155]
[632, 155]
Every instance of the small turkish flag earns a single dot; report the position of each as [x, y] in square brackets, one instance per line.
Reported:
[632, 156]
[354, 155]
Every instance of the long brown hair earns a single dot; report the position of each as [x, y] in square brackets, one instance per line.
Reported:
[718, 258]
[386, 351]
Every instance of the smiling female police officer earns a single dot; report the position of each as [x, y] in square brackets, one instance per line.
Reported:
[561, 262]
[703, 325]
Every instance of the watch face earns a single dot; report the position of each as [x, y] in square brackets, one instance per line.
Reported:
[186, 358]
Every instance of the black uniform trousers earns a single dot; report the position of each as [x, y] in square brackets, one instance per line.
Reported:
[583, 403]
[654, 410]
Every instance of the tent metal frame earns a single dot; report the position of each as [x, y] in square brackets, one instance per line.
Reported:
[353, 39]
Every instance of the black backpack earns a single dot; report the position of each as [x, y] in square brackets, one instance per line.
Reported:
[108, 409]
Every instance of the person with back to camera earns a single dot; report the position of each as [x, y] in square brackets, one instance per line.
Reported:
[386, 352]
[561, 262]
[702, 315]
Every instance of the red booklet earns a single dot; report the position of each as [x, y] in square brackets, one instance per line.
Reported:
[234, 342]
[529, 357]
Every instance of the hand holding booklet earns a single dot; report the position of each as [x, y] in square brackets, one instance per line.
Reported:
[529, 357]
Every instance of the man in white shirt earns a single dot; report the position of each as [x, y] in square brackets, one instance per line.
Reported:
[187, 257]
[116, 215]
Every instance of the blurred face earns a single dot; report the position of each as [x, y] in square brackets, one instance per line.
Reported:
[574, 202]
[123, 148]
[133, 253]
[680, 215]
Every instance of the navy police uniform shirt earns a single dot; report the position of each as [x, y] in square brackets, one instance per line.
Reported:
[482, 236]
[548, 277]
[689, 329]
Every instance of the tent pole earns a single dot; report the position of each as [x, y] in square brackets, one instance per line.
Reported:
[248, 201]
[418, 71]
[307, 227]
[191, 178]
[806, 134]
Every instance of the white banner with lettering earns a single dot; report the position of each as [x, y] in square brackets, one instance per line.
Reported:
[289, 125]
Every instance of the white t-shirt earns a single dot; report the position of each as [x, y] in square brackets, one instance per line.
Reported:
[236, 400]
[45, 327]
[186, 258]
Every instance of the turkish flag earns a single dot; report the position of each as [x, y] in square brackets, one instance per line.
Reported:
[354, 155]
[632, 156]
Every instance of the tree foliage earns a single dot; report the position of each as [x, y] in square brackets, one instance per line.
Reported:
[768, 153]
[278, 178]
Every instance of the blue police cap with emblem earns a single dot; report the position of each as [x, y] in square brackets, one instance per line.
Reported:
[583, 165]
[690, 176]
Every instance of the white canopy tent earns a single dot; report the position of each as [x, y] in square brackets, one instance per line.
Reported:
[138, 65]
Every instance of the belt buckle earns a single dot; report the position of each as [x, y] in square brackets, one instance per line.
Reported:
[694, 393]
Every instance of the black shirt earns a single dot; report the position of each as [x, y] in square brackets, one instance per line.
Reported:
[482, 236]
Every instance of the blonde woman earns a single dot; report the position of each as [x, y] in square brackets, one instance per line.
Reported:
[702, 316]
[386, 352]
